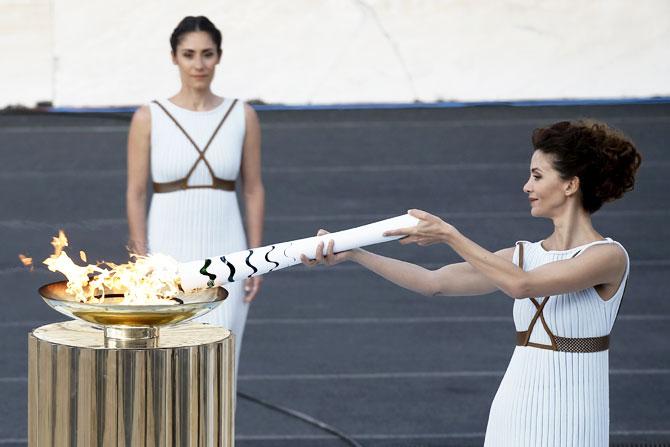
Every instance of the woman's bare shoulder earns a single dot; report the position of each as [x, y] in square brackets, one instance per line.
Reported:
[252, 124]
[141, 121]
[250, 112]
[142, 115]
[612, 253]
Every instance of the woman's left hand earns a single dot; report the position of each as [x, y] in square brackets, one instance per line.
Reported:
[251, 287]
[428, 231]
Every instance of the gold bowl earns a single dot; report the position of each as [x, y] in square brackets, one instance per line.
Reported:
[124, 321]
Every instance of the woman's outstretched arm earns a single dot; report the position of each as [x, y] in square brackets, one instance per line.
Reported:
[451, 280]
[600, 265]
[459, 279]
[139, 141]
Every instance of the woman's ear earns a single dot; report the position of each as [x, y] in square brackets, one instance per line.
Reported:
[572, 186]
[174, 57]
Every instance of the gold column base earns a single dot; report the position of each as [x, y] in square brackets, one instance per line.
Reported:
[176, 390]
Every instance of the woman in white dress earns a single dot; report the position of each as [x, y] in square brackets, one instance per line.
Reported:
[194, 144]
[567, 287]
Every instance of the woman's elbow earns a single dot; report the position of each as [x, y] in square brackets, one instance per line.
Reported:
[255, 189]
[428, 292]
[136, 195]
[432, 286]
[515, 294]
[518, 289]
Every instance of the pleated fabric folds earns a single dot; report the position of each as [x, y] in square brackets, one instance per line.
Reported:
[549, 398]
[196, 224]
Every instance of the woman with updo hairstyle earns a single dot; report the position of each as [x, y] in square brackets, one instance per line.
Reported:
[194, 145]
[567, 288]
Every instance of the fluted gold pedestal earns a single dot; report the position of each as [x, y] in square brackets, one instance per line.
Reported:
[174, 390]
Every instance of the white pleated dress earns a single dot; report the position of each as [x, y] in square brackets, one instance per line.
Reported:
[551, 398]
[195, 224]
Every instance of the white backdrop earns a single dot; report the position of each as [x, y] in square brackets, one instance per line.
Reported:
[103, 53]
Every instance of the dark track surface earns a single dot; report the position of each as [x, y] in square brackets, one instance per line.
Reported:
[388, 367]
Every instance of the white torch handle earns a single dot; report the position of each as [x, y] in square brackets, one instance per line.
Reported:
[259, 261]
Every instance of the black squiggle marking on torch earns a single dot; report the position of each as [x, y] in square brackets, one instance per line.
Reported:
[287, 256]
[251, 252]
[211, 276]
[230, 266]
[268, 259]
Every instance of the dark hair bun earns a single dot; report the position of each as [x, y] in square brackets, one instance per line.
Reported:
[603, 158]
[190, 24]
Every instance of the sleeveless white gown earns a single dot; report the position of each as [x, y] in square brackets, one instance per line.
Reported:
[549, 398]
[194, 224]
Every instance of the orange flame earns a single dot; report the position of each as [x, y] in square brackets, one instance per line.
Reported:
[25, 260]
[59, 242]
[147, 280]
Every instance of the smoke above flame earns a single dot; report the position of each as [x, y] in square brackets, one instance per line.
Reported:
[144, 280]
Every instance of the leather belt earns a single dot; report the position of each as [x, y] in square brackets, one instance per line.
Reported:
[565, 344]
[182, 184]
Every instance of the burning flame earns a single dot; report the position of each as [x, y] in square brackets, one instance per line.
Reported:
[25, 260]
[147, 280]
[59, 242]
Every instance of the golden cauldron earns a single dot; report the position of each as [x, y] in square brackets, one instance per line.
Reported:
[129, 321]
[131, 375]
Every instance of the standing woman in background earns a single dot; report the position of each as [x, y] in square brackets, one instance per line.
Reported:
[195, 144]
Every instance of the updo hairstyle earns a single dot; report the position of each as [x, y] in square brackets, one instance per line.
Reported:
[190, 24]
[603, 158]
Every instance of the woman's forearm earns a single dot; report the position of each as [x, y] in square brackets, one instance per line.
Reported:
[137, 223]
[406, 275]
[482, 272]
[139, 144]
[254, 202]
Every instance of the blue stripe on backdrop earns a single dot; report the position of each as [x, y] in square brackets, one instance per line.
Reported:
[417, 105]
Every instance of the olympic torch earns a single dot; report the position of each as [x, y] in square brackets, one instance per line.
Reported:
[218, 271]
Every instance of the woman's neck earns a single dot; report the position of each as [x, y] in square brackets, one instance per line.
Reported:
[572, 229]
[196, 100]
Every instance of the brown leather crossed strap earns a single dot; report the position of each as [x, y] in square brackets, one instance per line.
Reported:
[182, 184]
[563, 344]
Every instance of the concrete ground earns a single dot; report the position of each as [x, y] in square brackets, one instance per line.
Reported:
[386, 366]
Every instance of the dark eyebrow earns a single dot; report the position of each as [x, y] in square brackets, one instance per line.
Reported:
[190, 50]
[538, 170]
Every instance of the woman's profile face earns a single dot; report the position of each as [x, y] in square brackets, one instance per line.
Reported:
[545, 188]
[197, 57]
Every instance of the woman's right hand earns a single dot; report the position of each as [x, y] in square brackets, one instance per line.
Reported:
[330, 258]
[137, 247]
